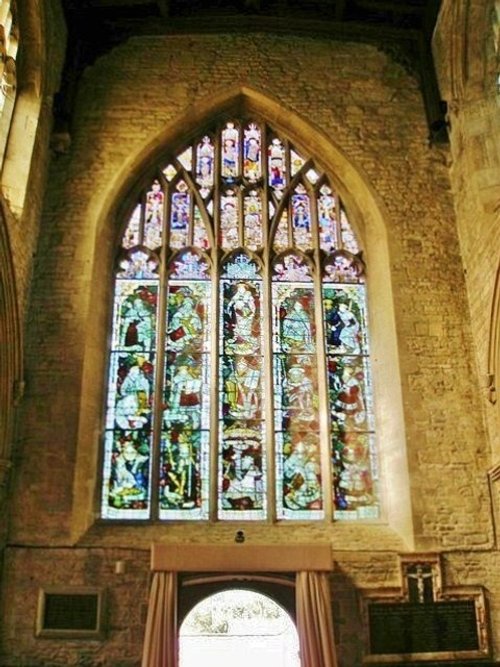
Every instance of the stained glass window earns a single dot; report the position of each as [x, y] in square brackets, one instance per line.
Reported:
[239, 383]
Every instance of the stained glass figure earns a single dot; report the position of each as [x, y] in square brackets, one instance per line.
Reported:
[277, 165]
[229, 215]
[241, 463]
[301, 218]
[154, 216]
[205, 155]
[281, 267]
[327, 219]
[200, 234]
[230, 152]
[252, 220]
[180, 216]
[282, 236]
[131, 236]
[345, 324]
[252, 165]
[135, 315]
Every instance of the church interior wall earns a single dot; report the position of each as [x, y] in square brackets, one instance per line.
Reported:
[371, 110]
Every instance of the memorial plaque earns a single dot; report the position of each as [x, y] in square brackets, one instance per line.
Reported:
[423, 628]
[423, 620]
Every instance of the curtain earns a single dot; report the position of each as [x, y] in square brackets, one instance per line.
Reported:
[314, 620]
[160, 642]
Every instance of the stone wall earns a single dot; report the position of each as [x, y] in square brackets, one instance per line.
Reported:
[468, 74]
[323, 94]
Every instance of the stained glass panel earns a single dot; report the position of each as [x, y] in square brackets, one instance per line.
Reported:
[350, 400]
[131, 236]
[200, 234]
[327, 219]
[170, 171]
[186, 158]
[205, 156]
[230, 152]
[130, 395]
[184, 444]
[252, 161]
[282, 236]
[253, 220]
[301, 218]
[229, 220]
[296, 162]
[277, 165]
[296, 421]
[349, 241]
[180, 216]
[242, 461]
[154, 216]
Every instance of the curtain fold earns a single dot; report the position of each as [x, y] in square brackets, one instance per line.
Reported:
[160, 641]
[314, 620]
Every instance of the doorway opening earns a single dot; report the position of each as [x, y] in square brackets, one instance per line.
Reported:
[238, 627]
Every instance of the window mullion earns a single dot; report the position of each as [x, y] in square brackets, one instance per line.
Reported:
[324, 411]
[160, 361]
[214, 343]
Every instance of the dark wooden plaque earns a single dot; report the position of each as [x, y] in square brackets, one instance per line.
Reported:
[436, 627]
[70, 612]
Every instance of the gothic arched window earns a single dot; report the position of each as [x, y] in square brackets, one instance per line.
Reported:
[239, 374]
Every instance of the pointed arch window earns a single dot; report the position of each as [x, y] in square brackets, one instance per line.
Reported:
[239, 377]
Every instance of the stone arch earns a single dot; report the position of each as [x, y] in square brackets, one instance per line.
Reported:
[465, 61]
[494, 343]
[36, 21]
[369, 218]
[10, 353]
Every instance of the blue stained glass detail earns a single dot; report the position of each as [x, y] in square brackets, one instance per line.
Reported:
[240, 266]
[189, 264]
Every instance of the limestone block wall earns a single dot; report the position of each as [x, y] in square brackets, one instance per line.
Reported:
[468, 73]
[352, 97]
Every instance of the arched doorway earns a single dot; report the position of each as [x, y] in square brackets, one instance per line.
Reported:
[238, 626]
